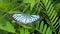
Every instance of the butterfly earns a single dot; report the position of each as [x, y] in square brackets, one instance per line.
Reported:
[25, 18]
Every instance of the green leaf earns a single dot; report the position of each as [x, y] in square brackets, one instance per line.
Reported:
[45, 28]
[26, 31]
[22, 30]
[5, 25]
[31, 2]
[37, 24]
[41, 26]
[48, 30]
[57, 6]
[6, 5]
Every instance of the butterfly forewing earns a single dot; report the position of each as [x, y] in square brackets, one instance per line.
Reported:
[35, 17]
[25, 18]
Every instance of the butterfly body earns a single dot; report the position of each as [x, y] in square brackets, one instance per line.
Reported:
[25, 18]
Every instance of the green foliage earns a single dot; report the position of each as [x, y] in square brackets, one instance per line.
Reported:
[31, 2]
[5, 25]
[49, 11]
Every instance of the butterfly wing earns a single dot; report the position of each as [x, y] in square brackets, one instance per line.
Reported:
[35, 17]
[24, 18]
[19, 17]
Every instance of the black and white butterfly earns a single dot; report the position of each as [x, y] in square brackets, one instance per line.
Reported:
[25, 18]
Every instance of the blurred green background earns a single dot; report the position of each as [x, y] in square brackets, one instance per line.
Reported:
[48, 9]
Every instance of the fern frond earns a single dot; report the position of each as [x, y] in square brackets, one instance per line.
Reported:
[42, 28]
[52, 14]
